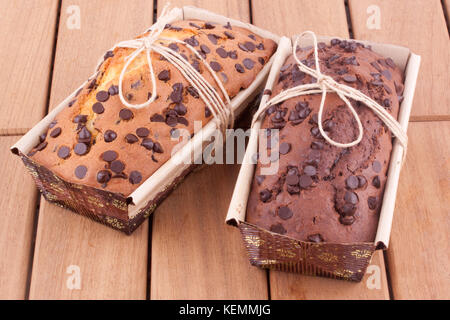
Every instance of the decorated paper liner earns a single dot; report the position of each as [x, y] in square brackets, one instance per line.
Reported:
[114, 209]
[347, 261]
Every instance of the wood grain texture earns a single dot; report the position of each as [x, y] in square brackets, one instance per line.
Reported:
[112, 265]
[328, 18]
[291, 17]
[18, 203]
[102, 25]
[419, 250]
[236, 9]
[290, 286]
[419, 25]
[194, 254]
[27, 38]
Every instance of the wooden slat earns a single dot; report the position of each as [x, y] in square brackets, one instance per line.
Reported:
[112, 264]
[419, 25]
[328, 18]
[18, 203]
[291, 17]
[294, 287]
[27, 38]
[419, 250]
[194, 254]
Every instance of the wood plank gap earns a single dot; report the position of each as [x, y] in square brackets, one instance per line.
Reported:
[388, 275]
[429, 118]
[33, 245]
[55, 40]
[445, 9]
[349, 20]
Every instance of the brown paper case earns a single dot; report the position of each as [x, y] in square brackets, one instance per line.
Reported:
[113, 209]
[347, 261]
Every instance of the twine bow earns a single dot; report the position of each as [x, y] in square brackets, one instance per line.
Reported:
[222, 111]
[327, 84]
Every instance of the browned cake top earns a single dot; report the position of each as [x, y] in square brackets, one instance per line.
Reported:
[97, 141]
[322, 192]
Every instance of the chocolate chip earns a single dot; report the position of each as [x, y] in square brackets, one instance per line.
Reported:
[157, 147]
[233, 54]
[376, 182]
[213, 38]
[346, 220]
[81, 118]
[285, 213]
[98, 108]
[71, 103]
[285, 148]
[192, 91]
[108, 54]
[52, 124]
[292, 179]
[171, 121]
[317, 238]
[177, 93]
[135, 177]
[278, 228]
[250, 46]
[63, 152]
[55, 132]
[390, 63]
[372, 203]
[310, 171]
[41, 146]
[259, 179]
[387, 103]
[164, 75]
[222, 52]
[207, 112]
[191, 41]
[109, 136]
[180, 109]
[194, 25]
[80, 172]
[361, 181]
[117, 166]
[142, 132]
[103, 176]
[209, 25]
[125, 114]
[109, 156]
[147, 143]
[305, 181]
[349, 78]
[84, 135]
[174, 47]
[102, 96]
[80, 148]
[265, 195]
[157, 118]
[228, 25]
[229, 35]
[205, 49]
[113, 90]
[317, 145]
[239, 68]
[260, 46]
[131, 138]
[215, 66]
[248, 63]
[387, 74]
[376, 166]
[267, 92]
[352, 182]
[351, 197]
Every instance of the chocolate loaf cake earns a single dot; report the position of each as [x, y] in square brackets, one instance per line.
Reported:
[98, 142]
[323, 193]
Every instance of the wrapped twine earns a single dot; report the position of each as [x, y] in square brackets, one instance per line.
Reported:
[327, 84]
[222, 111]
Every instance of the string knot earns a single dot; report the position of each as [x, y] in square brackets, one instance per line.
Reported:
[324, 84]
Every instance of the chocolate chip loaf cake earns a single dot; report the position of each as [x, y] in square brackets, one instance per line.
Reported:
[98, 142]
[323, 193]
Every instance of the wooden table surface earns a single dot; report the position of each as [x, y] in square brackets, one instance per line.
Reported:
[184, 250]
